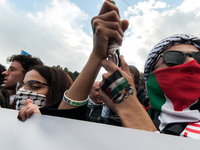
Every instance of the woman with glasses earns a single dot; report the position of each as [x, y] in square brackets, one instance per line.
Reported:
[75, 99]
[43, 85]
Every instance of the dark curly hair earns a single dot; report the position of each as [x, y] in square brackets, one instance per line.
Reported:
[59, 81]
[2, 69]
[27, 61]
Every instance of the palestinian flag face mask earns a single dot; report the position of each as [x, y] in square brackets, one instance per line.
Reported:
[175, 92]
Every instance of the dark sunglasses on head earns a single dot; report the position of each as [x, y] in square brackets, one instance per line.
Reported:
[173, 58]
[30, 85]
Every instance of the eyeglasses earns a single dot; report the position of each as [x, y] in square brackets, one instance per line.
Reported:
[173, 58]
[31, 85]
[12, 69]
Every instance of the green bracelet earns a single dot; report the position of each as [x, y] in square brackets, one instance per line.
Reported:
[73, 102]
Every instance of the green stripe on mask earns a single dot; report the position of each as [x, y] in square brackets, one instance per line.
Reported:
[156, 95]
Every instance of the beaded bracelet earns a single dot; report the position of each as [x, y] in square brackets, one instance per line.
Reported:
[73, 102]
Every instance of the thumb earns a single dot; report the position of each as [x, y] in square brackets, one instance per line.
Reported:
[27, 102]
[124, 65]
[125, 24]
[109, 65]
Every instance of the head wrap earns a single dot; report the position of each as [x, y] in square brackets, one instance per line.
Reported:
[165, 44]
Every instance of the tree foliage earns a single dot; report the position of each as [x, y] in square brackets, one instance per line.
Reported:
[73, 75]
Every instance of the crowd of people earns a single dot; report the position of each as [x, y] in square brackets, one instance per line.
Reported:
[168, 103]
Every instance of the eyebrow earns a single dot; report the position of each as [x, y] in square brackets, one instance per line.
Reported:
[12, 67]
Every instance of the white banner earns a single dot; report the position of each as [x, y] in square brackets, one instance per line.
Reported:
[41, 132]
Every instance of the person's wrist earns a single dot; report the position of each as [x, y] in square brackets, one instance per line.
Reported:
[129, 111]
[98, 56]
[73, 102]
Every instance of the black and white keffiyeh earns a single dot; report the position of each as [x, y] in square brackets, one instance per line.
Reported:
[165, 44]
[22, 95]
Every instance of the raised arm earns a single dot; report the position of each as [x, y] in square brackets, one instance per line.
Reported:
[119, 94]
[105, 26]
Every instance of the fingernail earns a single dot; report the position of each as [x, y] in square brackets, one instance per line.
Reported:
[122, 56]
[19, 118]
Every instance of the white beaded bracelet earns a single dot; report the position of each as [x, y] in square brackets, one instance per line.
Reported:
[73, 102]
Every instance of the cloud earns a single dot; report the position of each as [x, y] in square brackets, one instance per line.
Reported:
[54, 34]
[189, 6]
[160, 4]
[148, 26]
[144, 7]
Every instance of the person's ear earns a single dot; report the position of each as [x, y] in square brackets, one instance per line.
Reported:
[132, 76]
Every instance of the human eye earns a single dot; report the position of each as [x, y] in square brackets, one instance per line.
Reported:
[97, 90]
[33, 86]
[11, 69]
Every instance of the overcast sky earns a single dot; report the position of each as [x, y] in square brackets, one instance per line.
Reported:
[59, 31]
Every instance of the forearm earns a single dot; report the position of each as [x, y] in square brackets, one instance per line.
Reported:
[136, 117]
[104, 28]
[80, 89]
